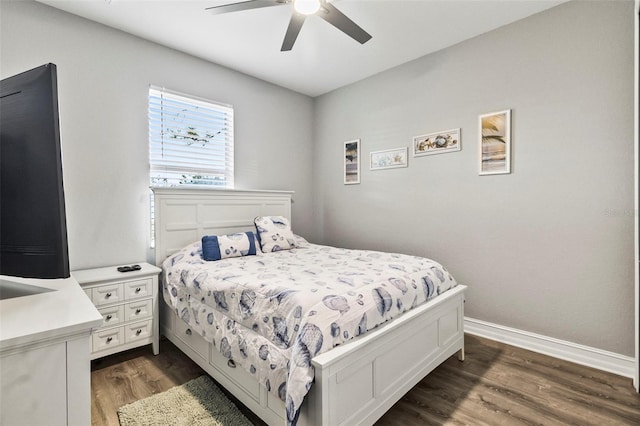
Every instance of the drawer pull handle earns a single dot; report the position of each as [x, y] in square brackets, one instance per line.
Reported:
[108, 295]
[138, 311]
[138, 290]
[231, 363]
[109, 317]
[189, 332]
[138, 331]
[109, 339]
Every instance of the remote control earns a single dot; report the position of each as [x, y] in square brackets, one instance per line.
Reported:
[129, 268]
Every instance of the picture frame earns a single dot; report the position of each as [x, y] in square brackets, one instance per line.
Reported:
[351, 169]
[388, 158]
[437, 143]
[494, 145]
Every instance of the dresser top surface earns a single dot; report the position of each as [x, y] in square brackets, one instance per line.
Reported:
[64, 311]
[111, 273]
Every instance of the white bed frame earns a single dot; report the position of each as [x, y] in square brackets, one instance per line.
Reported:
[355, 383]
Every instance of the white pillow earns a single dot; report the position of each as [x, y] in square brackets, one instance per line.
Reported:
[274, 233]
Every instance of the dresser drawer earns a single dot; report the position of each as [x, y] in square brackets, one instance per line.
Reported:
[107, 339]
[107, 294]
[137, 331]
[138, 288]
[138, 310]
[235, 373]
[191, 338]
[112, 315]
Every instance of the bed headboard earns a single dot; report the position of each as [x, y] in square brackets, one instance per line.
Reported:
[183, 216]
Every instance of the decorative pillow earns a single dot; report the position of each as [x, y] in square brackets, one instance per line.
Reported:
[300, 241]
[216, 247]
[256, 242]
[274, 233]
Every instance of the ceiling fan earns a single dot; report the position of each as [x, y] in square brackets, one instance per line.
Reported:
[302, 9]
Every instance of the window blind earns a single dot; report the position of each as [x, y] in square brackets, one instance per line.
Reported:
[190, 140]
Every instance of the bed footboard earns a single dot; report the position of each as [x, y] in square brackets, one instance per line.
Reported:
[355, 383]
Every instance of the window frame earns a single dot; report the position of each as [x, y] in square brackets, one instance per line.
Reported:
[225, 110]
[193, 172]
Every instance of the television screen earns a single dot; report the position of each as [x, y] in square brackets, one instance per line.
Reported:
[33, 230]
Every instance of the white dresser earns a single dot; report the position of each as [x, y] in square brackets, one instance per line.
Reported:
[45, 370]
[128, 303]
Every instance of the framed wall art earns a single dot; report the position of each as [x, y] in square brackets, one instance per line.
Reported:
[352, 162]
[495, 143]
[388, 159]
[436, 143]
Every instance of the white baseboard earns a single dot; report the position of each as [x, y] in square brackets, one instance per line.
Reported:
[568, 351]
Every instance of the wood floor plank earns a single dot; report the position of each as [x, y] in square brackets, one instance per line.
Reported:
[497, 384]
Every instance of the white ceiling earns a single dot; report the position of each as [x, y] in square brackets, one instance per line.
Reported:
[323, 58]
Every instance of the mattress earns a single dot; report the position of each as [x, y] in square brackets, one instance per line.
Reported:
[273, 312]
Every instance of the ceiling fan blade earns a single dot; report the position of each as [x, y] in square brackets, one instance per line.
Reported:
[245, 5]
[295, 24]
[332, 15]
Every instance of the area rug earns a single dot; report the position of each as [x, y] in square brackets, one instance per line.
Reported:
[197, 402]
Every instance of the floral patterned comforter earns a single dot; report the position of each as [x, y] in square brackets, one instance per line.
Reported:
[272, 313]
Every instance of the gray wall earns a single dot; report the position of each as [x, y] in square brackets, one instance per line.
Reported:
[548, 248]
[103, 82]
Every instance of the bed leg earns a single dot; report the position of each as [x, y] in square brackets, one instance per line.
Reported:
[461, 354]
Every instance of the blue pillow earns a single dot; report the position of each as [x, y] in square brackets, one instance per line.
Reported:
[216, 247]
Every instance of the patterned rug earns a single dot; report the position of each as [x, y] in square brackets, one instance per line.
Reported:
[198, 402]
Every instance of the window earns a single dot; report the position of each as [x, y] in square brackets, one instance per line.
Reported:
[190, 140]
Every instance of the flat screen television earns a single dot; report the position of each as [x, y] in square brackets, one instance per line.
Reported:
[33, 228]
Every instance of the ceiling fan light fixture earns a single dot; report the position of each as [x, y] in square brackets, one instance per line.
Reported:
[306, 7]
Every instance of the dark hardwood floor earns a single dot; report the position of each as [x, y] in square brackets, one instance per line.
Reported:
[497, 384]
